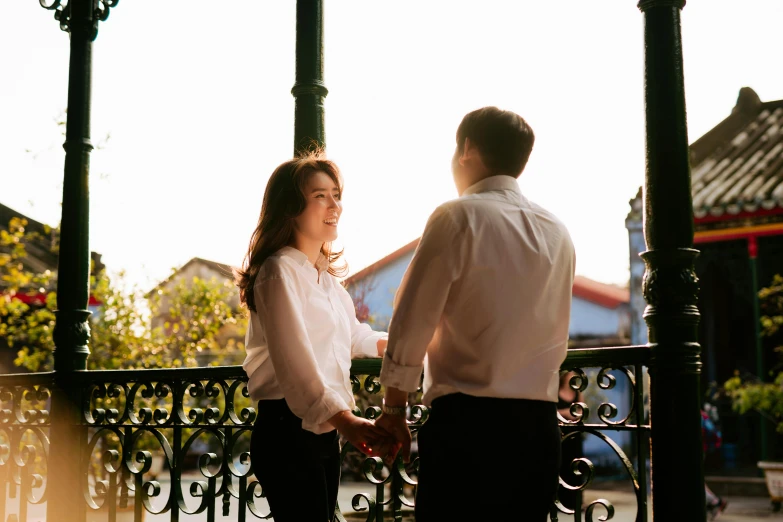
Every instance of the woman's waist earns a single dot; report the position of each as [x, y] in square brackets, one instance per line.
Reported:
[275, 414]
[326, 354]
[263, 383]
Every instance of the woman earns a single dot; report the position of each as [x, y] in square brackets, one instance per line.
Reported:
[301, 337]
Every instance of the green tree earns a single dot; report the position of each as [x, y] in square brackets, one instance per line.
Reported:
[200, 328]
[764, 397]
[21, 324]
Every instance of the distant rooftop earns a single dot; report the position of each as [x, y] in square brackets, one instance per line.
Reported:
[737, 167]
[608, 296]
[41, 254]
[225, 271]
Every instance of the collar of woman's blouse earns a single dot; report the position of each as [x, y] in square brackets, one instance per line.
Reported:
[321, 264]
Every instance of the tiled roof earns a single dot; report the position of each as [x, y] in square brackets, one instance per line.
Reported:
[40, 254]
[737, 167]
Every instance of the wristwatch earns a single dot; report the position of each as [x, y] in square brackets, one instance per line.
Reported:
[400, 411]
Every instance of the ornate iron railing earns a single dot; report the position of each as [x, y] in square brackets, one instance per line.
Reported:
[175, 442]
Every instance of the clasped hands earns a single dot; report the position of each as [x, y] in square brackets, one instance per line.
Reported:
[385, 437]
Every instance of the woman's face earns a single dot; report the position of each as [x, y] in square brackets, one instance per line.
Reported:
[318, 222]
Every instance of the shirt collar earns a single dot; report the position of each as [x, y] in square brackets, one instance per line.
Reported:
[301, 258]
[497, 182]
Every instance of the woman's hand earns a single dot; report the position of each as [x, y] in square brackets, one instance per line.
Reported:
[381, 345]
[363, 434]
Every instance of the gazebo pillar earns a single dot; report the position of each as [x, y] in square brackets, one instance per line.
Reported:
[670, 284]
[309, 90]
[66, 470]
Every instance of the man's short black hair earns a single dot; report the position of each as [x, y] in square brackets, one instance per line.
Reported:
[503, 138]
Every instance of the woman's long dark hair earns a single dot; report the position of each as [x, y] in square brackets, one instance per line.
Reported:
[284, 200]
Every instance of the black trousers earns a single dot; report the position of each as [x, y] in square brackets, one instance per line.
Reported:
[484, 458]
[298, 470]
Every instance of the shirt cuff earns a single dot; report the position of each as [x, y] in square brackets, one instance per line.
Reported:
[327, 406]
[405, 378]
[369, 346]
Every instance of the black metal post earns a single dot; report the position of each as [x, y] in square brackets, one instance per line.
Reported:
[72, 331]
[670, 283]
[309, 90]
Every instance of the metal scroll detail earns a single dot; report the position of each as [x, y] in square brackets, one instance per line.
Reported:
[398, 479]
[179, 442]
[62, 12]
[591, 386]
[24, 447]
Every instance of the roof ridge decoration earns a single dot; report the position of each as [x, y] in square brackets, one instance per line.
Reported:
[737, 166]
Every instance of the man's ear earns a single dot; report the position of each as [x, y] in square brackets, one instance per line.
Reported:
[469, 151]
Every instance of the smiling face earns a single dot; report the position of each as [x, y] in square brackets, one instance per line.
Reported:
[317, 224]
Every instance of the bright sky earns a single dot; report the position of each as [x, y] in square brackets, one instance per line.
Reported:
[196, 97]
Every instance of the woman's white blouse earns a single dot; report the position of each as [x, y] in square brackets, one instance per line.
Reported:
[301, 340]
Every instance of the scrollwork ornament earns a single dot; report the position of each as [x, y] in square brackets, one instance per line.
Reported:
[670, 281]
[370, 467]
[605, 380]
[604, 504]
[608, 411]
[62, 13]
[406, 479]
[250, 500]
[419, 415]
[583, 468]
[102, 9]
[356, 504]
[578, 381]
[31, 413]
[24, 463]
[579, 411]
[72, 328]
[247, 414]
[355, 384]
[372, 413]
[372, 384]
[243, 458]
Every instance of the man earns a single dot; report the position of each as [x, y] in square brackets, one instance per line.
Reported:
[487, 299]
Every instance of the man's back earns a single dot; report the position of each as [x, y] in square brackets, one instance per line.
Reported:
[509, 266]
[487, 300]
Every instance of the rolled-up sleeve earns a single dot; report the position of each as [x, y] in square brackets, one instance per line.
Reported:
[420, 301]
[291, 353]
[364, 340]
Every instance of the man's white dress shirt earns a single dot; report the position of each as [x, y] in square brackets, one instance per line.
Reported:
[301, 340]
[487, 298]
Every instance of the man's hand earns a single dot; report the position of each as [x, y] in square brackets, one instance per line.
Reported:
[397, 427]
[363, 434]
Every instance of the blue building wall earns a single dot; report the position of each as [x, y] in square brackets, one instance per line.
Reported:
[589, 319]
[379, 289]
